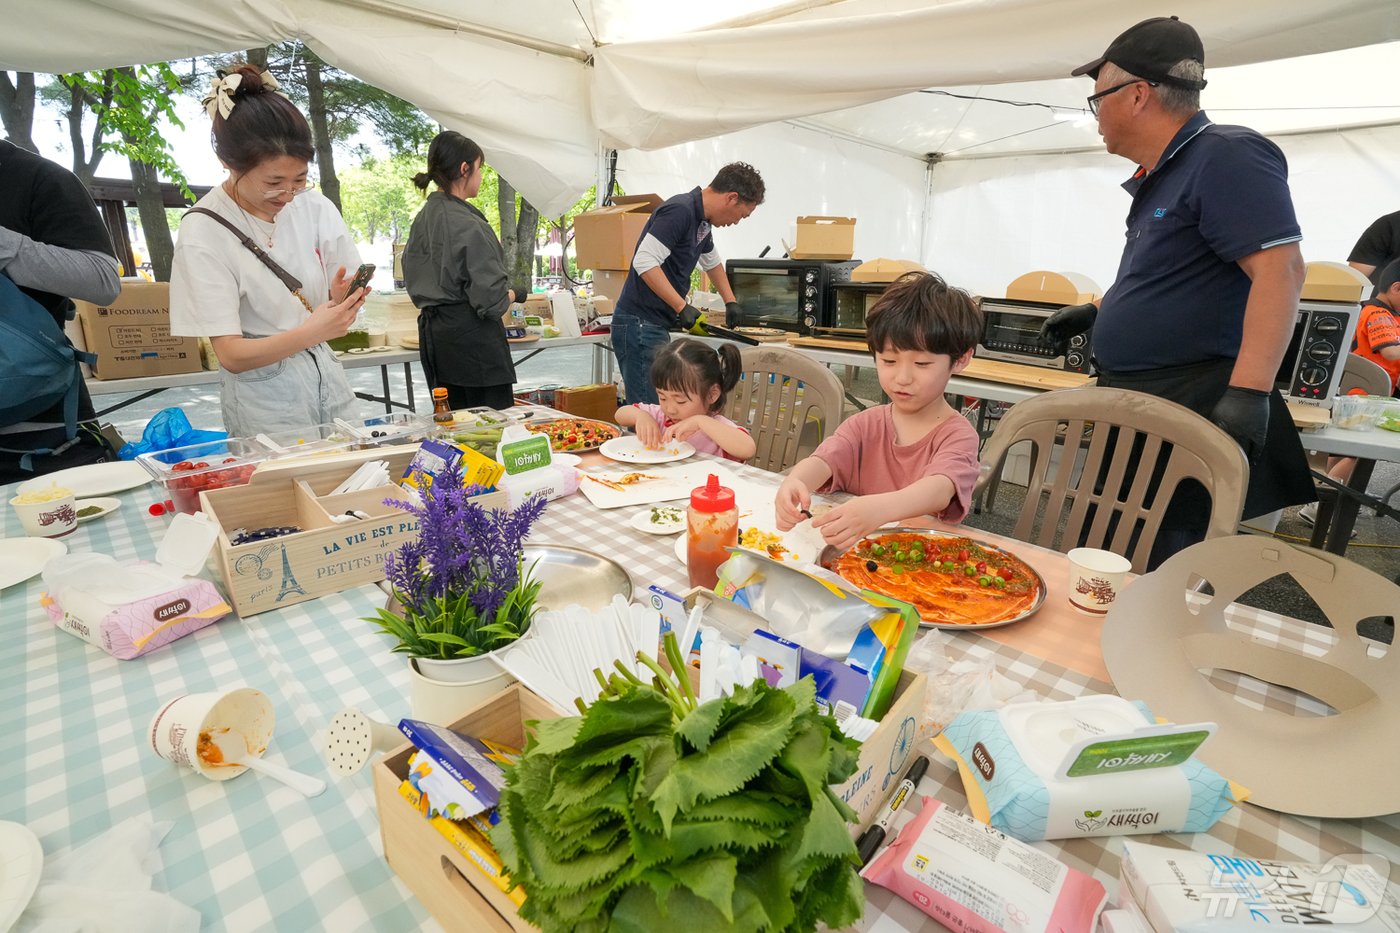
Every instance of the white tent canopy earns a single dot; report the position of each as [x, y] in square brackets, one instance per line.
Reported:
[825, 97]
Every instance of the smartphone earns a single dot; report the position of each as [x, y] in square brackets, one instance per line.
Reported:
[362, 277]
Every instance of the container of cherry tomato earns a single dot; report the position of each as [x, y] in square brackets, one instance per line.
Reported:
[185, 471]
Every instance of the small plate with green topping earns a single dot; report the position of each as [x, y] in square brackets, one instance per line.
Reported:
[660, 520]
[88, 509]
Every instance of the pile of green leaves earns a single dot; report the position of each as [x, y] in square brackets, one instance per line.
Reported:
[652, 809]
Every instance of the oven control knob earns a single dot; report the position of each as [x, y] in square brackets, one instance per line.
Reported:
[1313, 376]
[808, 307]
[810, 277]
[1074, 359]
[1321, 350]
[1326, 325]
[1077, 340]
[809, 321]
[810, 292]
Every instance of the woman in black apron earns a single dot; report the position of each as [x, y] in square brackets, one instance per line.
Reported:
[454, 271]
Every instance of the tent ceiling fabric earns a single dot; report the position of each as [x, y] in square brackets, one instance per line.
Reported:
[851, 68]
[655, 93]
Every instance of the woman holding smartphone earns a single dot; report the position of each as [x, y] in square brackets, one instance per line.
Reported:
[454, 271]
[261, 264]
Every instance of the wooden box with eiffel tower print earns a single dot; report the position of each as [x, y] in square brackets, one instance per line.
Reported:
[325, 556]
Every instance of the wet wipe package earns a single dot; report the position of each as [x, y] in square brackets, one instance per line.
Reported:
[131, 608]
[1093, 766]
[973, 879]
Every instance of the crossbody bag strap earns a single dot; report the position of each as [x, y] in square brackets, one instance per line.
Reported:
[292, 282]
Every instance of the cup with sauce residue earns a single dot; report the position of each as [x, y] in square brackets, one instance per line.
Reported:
[183, 730]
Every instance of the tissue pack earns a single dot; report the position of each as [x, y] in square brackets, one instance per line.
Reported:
[1030, 770]
[127, 609]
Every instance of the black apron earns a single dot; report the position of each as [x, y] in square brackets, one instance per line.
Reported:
[459, 348]
[1279, 476]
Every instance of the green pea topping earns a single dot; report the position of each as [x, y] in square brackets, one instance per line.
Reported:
[969, 571]
[878, 550]
[984, 580]
[999, 583]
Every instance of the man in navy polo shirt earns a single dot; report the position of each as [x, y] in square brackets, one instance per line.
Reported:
[675, 239]
[1207, 289]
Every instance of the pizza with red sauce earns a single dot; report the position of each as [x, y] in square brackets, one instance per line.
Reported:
[950, 580]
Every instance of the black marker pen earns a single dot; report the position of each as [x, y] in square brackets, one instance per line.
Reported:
[871, 839]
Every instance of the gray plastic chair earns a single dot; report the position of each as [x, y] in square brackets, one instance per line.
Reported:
[1062, 493]
[781, 393]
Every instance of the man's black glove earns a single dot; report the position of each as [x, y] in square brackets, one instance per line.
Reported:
[1244, 415]
[1066, 323]
[522, 291]
[732, 313]
[689, 315]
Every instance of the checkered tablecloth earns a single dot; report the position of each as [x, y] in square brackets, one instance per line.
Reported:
[250, 854]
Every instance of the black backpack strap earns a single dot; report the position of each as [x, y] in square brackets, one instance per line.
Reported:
[292, 282]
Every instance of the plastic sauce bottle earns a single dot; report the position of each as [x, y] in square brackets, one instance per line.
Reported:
[442, 411]
[712, 524]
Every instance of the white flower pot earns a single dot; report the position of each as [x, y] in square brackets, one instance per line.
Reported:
[442, 702]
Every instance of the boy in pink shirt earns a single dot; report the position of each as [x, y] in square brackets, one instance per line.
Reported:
[916, 456]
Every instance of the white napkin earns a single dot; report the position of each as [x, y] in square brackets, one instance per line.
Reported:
[104, 886]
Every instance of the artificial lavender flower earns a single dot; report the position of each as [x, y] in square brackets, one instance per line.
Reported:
[462, 553]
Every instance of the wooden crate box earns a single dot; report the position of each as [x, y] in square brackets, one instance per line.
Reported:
[324, 557]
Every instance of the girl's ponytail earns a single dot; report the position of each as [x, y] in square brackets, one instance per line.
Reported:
[731, 366]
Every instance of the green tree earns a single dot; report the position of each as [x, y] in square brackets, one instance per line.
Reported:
[378, 197]
[17, 108]
[129, 105]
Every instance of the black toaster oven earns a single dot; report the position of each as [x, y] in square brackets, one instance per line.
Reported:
[789, 294]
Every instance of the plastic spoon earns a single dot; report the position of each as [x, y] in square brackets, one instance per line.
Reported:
[233, 747]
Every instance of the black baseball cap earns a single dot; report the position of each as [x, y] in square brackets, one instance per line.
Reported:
[1150, 50]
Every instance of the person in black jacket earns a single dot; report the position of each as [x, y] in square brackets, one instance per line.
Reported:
[54, 246]
[454, 271]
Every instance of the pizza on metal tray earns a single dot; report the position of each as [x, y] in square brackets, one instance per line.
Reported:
[950, 580]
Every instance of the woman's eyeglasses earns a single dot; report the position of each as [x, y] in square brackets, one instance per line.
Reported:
[1096, 98]
[276, 193]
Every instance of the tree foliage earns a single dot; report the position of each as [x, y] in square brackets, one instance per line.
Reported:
[378, 198]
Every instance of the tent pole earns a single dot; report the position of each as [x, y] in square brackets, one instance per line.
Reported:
[927, 221]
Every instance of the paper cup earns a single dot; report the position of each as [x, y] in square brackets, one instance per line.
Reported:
[1095, 577]
[52, 518]
[175, 730]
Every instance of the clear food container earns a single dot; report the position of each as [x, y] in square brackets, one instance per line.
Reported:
[1355, 412]
[305, 442]
[186, 471]
[400, 427]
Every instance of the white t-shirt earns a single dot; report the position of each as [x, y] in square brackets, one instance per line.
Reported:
[219, 288]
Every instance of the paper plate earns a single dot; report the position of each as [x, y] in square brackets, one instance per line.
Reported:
[800, 548]
[95, 479]
[106, 503]
[630, 450]
[642, 521]
[21, 864]
[22, 558]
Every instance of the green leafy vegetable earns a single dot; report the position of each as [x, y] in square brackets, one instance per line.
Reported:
[652, 810]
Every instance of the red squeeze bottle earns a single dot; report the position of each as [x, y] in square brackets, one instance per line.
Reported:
[712, 524]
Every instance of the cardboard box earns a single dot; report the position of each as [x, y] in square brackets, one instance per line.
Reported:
[324, 557]
[598, 401]
[608, 283]
[1057, 288]
[131, 336]
[1334, 281]
[461, 897]
[607, 237]
[825, 238]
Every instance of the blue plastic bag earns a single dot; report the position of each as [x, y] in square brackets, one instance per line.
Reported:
[169, 428]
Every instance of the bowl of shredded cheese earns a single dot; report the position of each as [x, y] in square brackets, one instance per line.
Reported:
[48, 512]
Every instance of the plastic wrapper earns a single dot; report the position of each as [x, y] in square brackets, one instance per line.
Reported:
[955, 687]
[976, 880]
